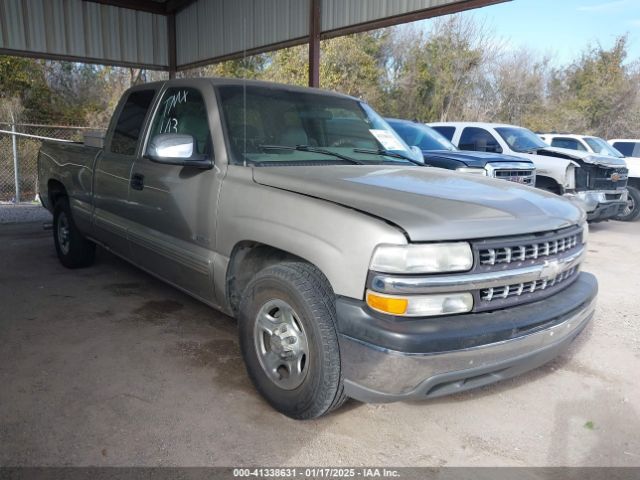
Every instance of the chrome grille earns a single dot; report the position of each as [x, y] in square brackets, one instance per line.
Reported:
[528, 251]
[525, 177]
[517, 289]
[602, 178]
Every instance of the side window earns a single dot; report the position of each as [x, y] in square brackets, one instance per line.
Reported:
[479, 140]
[570, 143]
[628, 149]
[446, 132]
[129, 126]
[182, 110]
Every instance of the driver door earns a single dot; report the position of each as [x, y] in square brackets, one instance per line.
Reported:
[173, 207]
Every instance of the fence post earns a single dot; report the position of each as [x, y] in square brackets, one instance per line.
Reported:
[15, 162]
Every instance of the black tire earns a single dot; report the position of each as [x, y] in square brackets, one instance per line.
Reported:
[73, 249]
[305, 289]
[632, 211]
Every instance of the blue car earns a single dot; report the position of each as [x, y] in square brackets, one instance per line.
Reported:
[441, 153]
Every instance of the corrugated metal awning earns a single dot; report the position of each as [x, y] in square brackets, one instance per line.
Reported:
[178, 34]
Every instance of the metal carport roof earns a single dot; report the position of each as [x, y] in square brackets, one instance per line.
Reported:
[175, 35]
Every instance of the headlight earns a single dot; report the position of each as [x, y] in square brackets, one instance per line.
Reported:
[585, 232]
[591, 199]
[477, 171]
[421, 305]
[570, 178]
[425, 258]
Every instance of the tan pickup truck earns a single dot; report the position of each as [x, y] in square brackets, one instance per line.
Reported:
[352, 269]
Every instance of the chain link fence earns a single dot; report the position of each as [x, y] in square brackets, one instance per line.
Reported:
[20, 149]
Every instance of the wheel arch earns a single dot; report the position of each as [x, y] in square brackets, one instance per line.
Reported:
[55, 191]
[249, 257]
[544, 182]
[634, 182]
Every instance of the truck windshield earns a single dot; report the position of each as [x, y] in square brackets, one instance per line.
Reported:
[421, 136]
[601, 147]
[520, 139]
[271, 125]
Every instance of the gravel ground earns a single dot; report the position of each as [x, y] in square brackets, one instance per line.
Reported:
[108, 366]
[23, 212]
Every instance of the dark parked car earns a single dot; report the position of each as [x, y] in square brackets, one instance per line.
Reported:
[440, 152]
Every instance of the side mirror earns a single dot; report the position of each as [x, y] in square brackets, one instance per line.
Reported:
[417, 153]
[176, 149]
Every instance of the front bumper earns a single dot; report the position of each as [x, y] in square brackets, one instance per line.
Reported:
[387, 358]
[600, 205]
[606, 210]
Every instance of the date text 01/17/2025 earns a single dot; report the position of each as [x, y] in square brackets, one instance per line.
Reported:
[312, 472]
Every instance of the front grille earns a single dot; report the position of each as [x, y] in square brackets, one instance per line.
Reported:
[520, 293]
[507, 271]
[529, 250]
[504, 254]
[525, 177]
[519, 289]
[601, 178]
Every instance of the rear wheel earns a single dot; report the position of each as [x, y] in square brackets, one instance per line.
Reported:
[73, 249]
[631, 211]
[289, 340]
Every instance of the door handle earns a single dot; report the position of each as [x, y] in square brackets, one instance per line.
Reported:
[137, 181]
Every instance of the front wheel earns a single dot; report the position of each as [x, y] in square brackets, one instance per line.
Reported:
[289, 340]
[73, 249]
[631, 211]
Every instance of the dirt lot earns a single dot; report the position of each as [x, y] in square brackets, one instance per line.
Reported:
[108, 366]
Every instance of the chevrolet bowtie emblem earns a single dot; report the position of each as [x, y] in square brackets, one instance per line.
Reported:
[550, 270]
[615, 177]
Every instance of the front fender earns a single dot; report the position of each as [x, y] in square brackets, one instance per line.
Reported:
[562, 171]
[337, 240]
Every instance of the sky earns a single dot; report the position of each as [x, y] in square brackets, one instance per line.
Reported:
[564, 28]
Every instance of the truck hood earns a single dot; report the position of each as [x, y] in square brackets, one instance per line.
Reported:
[586, 157]
[429, 204]
[471, 159]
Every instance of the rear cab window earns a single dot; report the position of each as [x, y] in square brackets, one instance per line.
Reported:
[126, 133]
[628, 149]
[446, 132]
[570, 143]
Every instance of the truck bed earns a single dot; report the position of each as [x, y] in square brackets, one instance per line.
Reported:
[70, 164]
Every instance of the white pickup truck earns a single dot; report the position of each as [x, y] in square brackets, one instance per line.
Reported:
[591, 144]
[630, 148]
[596, 182]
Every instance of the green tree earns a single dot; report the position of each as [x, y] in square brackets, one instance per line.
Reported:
[251, 67]
[599, 91]
[516, 90]
[435, 74]
[354, 65]
[22, 81]
[289, 65]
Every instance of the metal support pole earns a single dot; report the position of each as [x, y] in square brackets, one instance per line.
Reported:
[171, 43]
[16, 174]
[314, 43]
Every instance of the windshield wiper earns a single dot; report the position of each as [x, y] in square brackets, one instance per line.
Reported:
[531, 150]
[387, 153]
[309, 148]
